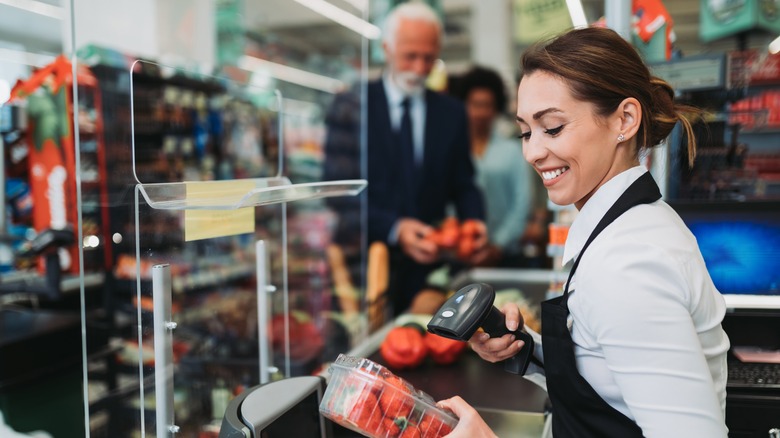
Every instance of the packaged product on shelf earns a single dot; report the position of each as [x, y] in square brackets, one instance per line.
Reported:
[368, 398]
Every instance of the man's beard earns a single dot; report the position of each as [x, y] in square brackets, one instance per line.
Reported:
[409, 82]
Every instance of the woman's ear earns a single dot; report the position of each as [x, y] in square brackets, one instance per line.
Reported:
[630, 113]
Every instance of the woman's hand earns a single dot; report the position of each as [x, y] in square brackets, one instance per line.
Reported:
[470, 424]
[498, 349]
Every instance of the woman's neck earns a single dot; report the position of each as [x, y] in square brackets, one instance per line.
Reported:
[479, 142]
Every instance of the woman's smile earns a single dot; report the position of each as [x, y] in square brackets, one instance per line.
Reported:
[550, 176]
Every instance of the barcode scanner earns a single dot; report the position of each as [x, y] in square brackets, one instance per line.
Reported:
[471, 308]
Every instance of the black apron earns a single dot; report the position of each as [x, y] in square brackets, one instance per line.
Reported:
[578, 410]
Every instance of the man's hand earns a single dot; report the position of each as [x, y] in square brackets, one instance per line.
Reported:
[490, 255]
[411, 238]
[481, 238]
[482, 251]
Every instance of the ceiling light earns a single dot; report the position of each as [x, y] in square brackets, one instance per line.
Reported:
[291, 74]
[343, 18]
[36, 7]
[577, 13]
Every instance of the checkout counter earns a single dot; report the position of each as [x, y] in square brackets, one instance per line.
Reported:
[40, 371]
[41, 358]
[510, 404]
[289, 407]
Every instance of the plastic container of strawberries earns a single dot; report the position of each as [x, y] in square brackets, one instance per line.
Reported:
[368, 398]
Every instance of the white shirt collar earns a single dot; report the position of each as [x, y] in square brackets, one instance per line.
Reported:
[595, 208]
[395, 95]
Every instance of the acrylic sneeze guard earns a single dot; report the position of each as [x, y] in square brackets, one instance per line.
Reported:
[217, 221]
[161, 202]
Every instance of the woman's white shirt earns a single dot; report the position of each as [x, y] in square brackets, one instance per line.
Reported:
[645, 317]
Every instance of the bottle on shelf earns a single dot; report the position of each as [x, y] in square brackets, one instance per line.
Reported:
[558, 231]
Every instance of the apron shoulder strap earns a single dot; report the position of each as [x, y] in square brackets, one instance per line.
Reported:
[642, 191]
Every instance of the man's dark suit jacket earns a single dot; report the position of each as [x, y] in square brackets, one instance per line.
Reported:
[446, 176]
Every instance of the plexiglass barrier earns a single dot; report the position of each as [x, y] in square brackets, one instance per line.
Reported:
[192, 174]
[41, 353]
[212, 210]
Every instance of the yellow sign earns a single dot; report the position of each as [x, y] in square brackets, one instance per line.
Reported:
[539, 19]
[207, 224]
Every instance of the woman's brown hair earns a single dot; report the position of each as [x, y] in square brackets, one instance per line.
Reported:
[604, 69]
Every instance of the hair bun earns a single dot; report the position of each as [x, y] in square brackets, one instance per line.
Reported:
[665, 112]
[662, 87]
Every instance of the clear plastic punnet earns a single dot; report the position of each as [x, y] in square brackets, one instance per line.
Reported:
[368, 398]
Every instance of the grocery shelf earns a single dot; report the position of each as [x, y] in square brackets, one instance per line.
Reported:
[212, 277]
[202, 278]
[68, 283]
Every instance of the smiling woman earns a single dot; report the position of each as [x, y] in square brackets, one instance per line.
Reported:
[639, 321]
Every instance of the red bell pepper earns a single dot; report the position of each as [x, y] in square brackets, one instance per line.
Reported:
[469, 228]
[469, 231]
[450, 233]
[403, 347]
[444, 351]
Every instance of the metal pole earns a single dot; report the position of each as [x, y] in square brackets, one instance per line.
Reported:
[264, 353]
[163, 350]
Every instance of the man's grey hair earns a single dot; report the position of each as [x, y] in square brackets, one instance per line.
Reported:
[409, 11]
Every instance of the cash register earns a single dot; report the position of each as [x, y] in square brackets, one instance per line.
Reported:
[280, 409]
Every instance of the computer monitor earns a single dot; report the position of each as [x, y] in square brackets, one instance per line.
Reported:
[740, 243]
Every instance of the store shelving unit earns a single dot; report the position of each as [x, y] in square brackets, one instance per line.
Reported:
[737, 155]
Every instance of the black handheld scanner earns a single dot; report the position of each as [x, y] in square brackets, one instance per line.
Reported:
[471, 308]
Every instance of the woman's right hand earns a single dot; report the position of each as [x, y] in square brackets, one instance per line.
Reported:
[470, 424]
[498, 349]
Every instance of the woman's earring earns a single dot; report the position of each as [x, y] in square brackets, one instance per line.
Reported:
[621, 137]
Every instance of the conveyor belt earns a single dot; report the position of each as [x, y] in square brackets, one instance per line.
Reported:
[482, 384]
